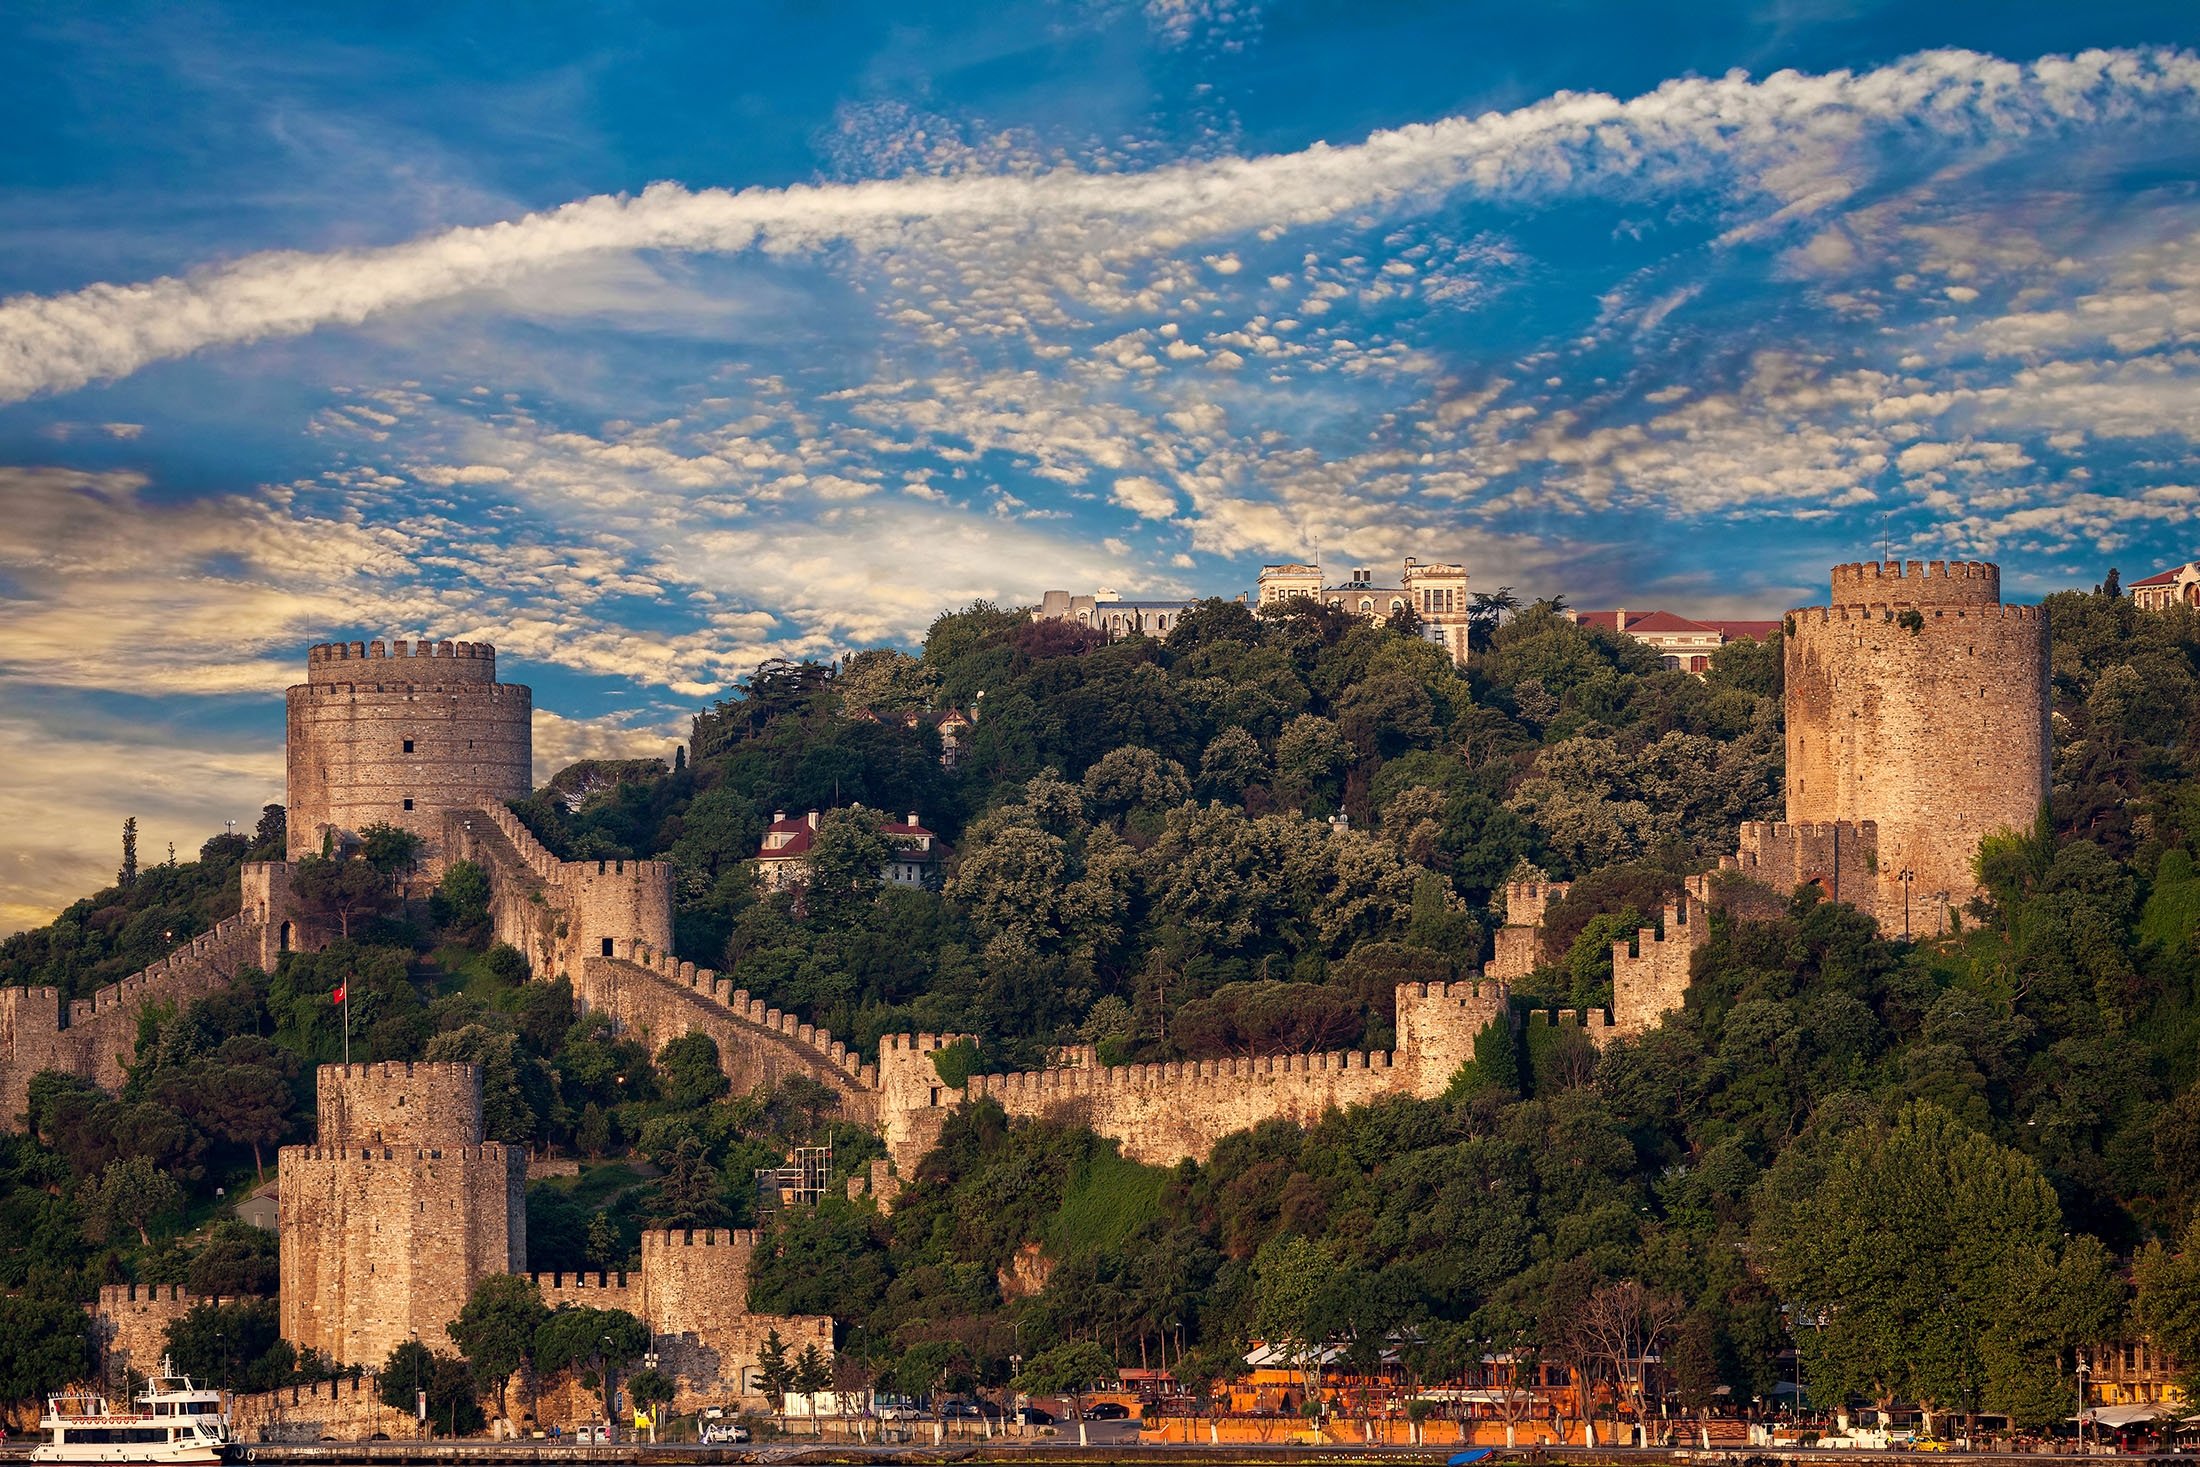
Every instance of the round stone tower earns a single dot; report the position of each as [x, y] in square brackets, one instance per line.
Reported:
[1918, 701]
[405, 733]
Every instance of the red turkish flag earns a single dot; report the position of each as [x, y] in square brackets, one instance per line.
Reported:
[338, 995]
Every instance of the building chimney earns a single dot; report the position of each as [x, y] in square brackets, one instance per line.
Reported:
[778, 816]
[1619, 620]
[912, 817]
[813, 820]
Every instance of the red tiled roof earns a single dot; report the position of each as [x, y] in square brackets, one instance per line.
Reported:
[1643, 621]
[1756, 631]
[2165, 578]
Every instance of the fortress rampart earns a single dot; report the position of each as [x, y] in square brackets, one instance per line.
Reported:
[1925, 718]
[1518, 942]
[560, 913]
[130, 1321]
[1917, 583]
[96, 1037]
[659, 999]
[1650, 974]
[1164, 1112]
[387, 1225]
[395, 1103]
[402, 733]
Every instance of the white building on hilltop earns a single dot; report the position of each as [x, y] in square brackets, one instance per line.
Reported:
[1435, 592]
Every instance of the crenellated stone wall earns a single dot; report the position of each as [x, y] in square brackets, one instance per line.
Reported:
[388, 1223]
[96, 1037]
[561, 913]
[658, 999]
[130, 1321]
[1518, 944]
[403, 734]
[1161, 1113]
[1918, 702]
[1650, 973]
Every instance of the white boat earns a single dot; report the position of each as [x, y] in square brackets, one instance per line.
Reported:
[171, 1421]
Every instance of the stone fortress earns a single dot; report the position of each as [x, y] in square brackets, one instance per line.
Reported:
[1916, 709]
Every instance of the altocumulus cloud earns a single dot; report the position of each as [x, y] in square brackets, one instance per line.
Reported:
[1783, 136]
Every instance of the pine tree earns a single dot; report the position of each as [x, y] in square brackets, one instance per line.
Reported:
[128, 875]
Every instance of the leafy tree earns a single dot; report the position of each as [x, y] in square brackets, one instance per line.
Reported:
[1069, 1369]
[237, 1344]
[390, 849]
[2167, 1302]
[811, 1374]
[1936, 1260]
[338, 889]
[692, 1077]
[131, 1195]
[45, 1343]
[461, 900]
[496, 1330]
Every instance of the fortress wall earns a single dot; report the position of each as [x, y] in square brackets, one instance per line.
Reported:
[561, 913]
[1650, 974]
[1162, 1113]
[1917, 583]
[1839, 857]
[96, 1037]
[1517, 945]
[326, 1410]
[30, 1041]
[377, 1243]
[659, 999]
[400, 1103]
[130, 1321]
[591, 1290]
[349, 722]
[1936, 733]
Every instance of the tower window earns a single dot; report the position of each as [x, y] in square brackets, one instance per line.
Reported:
[607, 947]
[408, 746]
[408, 802]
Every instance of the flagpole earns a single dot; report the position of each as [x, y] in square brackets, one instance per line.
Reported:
[347, 1020]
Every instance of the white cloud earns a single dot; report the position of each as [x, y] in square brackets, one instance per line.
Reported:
[1786, 137]
[1143, 497]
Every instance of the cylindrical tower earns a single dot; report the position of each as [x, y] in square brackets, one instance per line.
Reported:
[1922, 706]
[403, 733]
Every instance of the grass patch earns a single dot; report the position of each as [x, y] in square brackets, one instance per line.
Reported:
[1106, 1203]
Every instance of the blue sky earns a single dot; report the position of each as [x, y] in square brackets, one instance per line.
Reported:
[648, 342]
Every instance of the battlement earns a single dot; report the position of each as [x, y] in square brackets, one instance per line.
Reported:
[1918, 582]
[493, 1151]
[830, 1052]
[221, 942]
[400, 1104]
[399, 660]
[1597, 1023]
[1527, 901]
[116, 1296]
[1856, 615]
[559, 1282]
[656, 1238]
[1759, 832]
[1022, 1089]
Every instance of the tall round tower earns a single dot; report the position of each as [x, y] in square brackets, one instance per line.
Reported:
[404, 733]
[1918, 701]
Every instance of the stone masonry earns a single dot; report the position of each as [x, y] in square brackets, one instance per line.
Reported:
[1517, 942]
[402, 733]
[389, 1220]
[1916, 702]
[1162, 1113]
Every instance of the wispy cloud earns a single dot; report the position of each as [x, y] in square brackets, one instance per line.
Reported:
[1790, 137]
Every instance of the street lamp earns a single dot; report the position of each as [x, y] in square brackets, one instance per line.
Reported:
[2084, 1369]
[649, 1362]
[610, 1395]
[1907, 877]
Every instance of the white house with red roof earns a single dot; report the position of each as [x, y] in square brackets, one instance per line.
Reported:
[1682, 644]
[2176, 587]
[783, 861]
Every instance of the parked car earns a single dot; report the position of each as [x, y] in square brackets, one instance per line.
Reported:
[898, 1408]
[968, 1410]
[728, 1433]
[1034, 1416]
[1107, 1411]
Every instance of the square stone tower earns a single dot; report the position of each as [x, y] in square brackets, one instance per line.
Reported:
[388, 1222]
